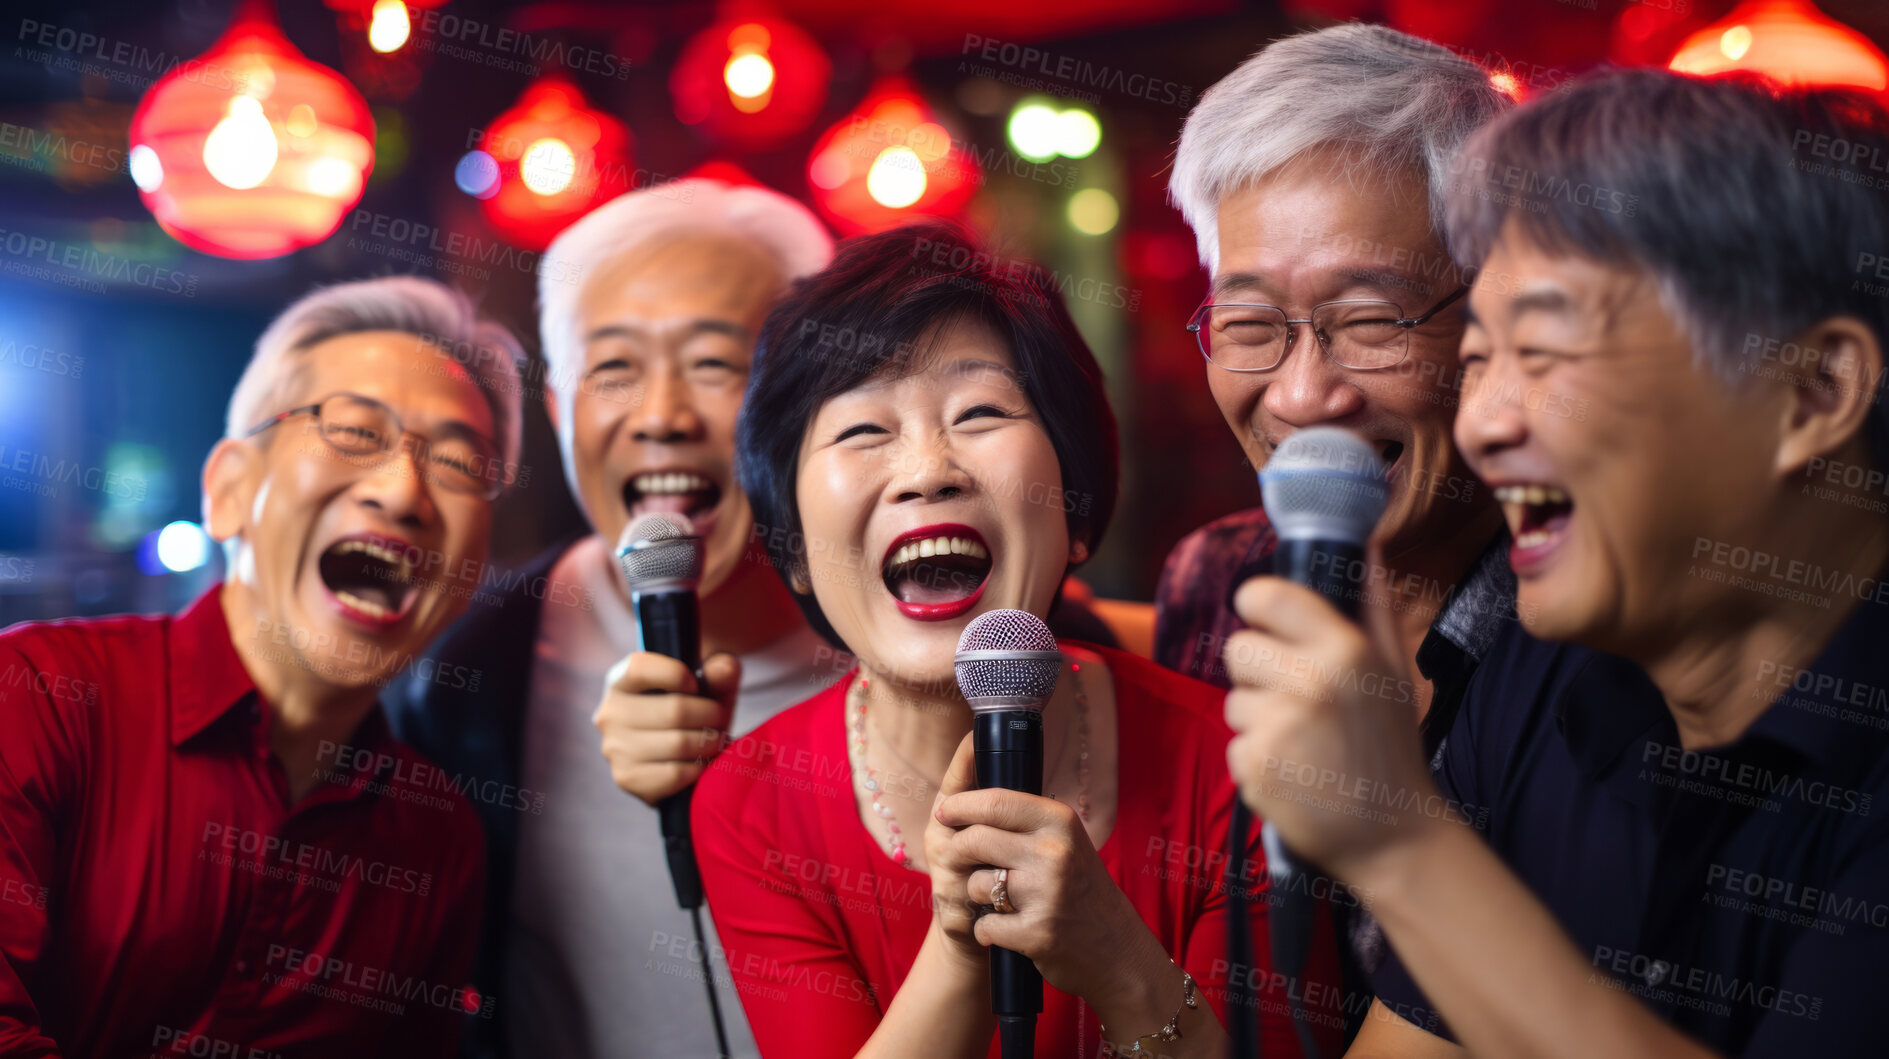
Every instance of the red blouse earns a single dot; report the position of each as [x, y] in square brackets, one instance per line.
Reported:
[820, 926]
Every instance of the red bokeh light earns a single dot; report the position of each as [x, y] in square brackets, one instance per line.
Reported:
[751, 82]
[887, 160]
[1787, 40]
[557, 160]
[251, 150]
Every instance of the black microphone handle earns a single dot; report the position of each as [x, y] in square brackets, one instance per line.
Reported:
[1334, 569]
[1009, 747]
[1337, 570]
[670, 624]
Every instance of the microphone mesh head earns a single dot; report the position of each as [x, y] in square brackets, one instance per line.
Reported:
[1324, 483]
[657, 548]
[1029, 674]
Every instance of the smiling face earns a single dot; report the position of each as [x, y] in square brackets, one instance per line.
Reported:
[668, 335]
[1612, 453]
[922, 501]
[352, 565]
[1307, 235]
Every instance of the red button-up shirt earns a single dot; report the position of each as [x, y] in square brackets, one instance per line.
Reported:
[159, 893]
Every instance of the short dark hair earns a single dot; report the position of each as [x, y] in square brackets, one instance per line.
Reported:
[1754, 205]
[867, 315]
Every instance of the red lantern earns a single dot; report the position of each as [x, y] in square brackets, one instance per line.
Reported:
[557, 160]
[890, 158]
[251, 150]
[1787, 40]
[750, 81]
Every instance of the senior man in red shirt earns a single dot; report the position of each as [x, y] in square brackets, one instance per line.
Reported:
[209, 842]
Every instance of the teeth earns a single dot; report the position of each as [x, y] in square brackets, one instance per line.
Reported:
[669, 483]
[400, 560]
[925, 549]
[1530, 494]
[367, 606]
[1532, 538]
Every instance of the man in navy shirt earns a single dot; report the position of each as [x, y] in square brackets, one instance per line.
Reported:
[1672, 379]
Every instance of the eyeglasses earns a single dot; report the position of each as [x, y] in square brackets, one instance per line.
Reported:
[1361, 334]
[365, 431]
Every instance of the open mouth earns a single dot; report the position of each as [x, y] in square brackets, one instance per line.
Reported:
[937, 572]
[1389, 451]
[671, 492]
[1538, 516]
[371, 577]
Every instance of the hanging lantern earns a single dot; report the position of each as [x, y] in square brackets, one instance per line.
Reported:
[1789, 41]
[251, 150]
[544, 163]
[385, 47]
[889, 159]
[752, 82]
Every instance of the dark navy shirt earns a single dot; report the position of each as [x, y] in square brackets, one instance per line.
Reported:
[1742, 892]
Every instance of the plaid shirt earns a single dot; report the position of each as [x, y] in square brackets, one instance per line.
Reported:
[1194, 610]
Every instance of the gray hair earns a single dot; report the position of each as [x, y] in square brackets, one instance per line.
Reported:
[642, 220]
[1754, 208]
[1389, 100]
[410, 304]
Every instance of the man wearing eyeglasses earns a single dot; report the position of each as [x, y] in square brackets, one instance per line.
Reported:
[210, 843]
[1334, 302]
[1308, 176]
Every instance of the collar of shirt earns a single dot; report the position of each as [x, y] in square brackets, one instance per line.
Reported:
[1610, 705]
[208, 682]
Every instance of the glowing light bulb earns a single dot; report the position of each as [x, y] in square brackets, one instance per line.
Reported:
[897, 178]
[1093, 211]
[182, 547]
[1078, 134]
[147, 171]
[1035, 132]
[477, 174]
[749, 75]
[241, 151]
[548, 166]
[390, 26]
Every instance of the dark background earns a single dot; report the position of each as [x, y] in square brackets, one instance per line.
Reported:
[147, 373]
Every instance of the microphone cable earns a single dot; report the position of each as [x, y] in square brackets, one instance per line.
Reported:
[706, 963]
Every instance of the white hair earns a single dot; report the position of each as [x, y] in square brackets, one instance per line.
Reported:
[413, 305]
[1389, 100]
[642, 220]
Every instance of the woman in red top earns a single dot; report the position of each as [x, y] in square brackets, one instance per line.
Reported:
[925, 437]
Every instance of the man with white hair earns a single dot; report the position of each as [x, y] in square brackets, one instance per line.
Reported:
[650, 306]
[1312, 177]
[209, 841]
